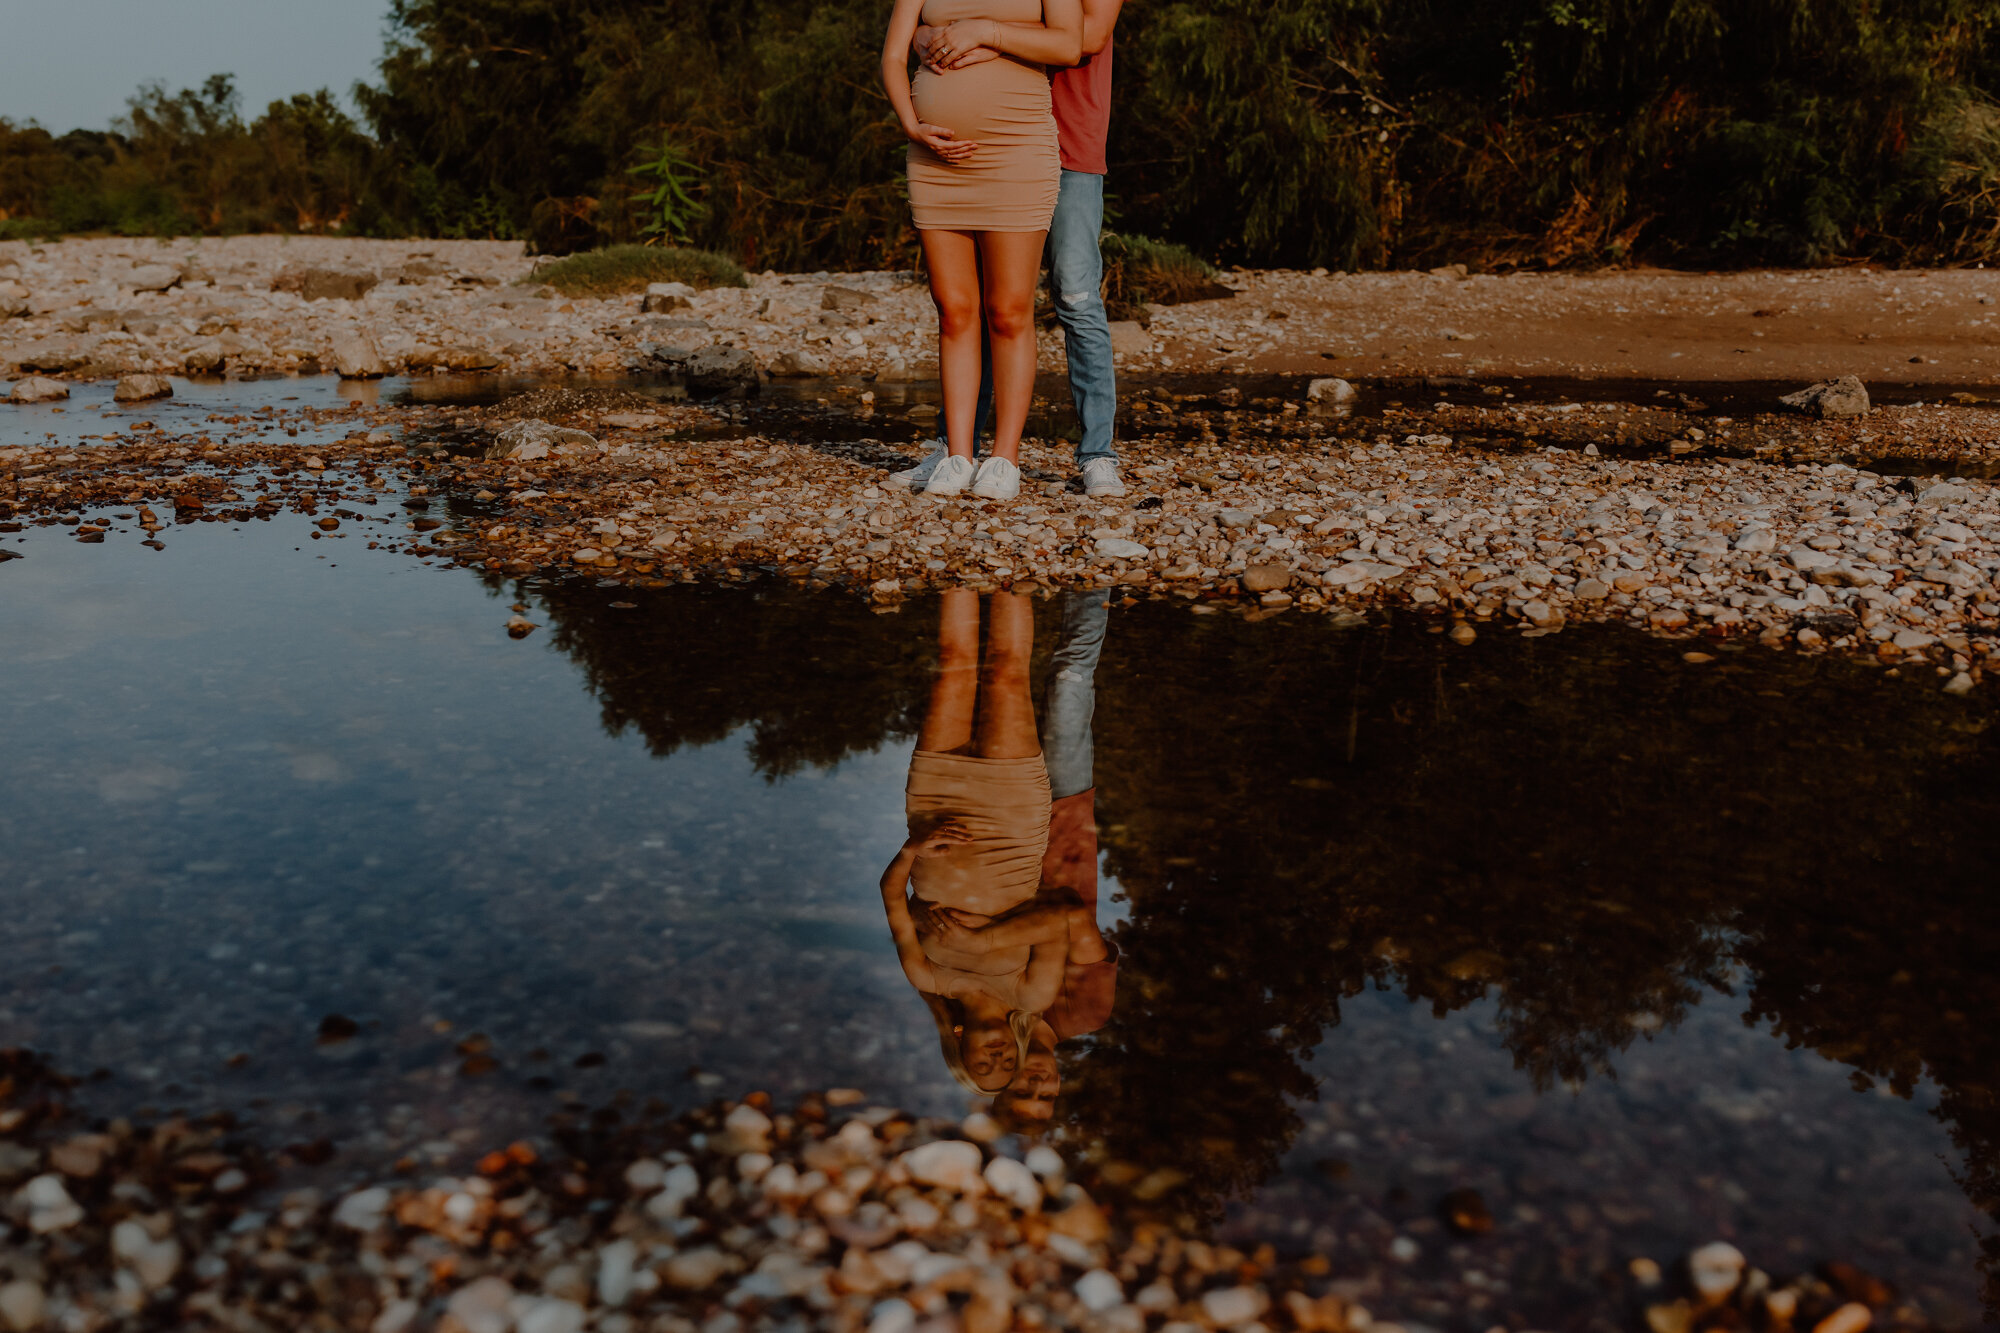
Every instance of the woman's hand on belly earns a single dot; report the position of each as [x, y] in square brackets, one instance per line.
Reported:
[940, 140]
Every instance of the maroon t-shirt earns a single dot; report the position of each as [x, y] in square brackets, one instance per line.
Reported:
[1082, 96]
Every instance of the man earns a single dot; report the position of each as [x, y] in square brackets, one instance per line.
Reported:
[1082, 99]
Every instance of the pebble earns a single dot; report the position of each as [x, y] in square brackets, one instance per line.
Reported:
[1715, 1269]
[363, 1210]
[547, 1314]
[154, 1261]
[1234, 1307]
[615, 1272]
[1100, 1291]
[1850, 1318]
[946, 1164]
[22, 1305]
[1014, 1182]
[48, 1205]
[481, 1306]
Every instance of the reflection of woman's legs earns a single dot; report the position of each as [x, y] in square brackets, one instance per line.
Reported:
[953, 260]
[954, 696]
[1006, 723]
[1012, 261]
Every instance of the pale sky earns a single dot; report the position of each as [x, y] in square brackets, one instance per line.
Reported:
[70, 64]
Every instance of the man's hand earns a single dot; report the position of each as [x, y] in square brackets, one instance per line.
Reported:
[958, 45]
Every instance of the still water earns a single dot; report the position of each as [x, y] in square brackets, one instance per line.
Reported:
[1644, 952]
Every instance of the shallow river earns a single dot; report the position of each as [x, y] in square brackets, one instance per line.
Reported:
[1645, 952]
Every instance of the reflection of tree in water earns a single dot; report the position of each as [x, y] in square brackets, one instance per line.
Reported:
[815, 678]
[1584, 826]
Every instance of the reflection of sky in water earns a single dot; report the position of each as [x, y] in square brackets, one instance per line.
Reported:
[244, 790]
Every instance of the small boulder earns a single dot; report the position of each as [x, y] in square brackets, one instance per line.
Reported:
[206, 357]
[720, 366]
[35, 389]
[1844, 397]
[324, 284]
[1715, 1269]
[794, 365]
[535, 438]
[356, 357]
[142, 389]
[1119, 548]
[1269, 577]
[661, 297]
[1330, 397]
[1592, 590]
[1129, 338]
[154, 278]
[14, 301]
[844, 298]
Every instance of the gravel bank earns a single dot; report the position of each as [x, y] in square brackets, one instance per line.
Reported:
[829, 1215]
[104, 307]
[1261, 505]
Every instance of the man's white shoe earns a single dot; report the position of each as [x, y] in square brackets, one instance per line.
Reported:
[998, 479]
[916, 477]
[1100, 477]
[953, 475]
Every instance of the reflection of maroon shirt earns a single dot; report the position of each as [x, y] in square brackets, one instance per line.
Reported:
[1071, 863]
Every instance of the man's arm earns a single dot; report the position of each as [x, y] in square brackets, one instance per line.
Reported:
[1099, 18]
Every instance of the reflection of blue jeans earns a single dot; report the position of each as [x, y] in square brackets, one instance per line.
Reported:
[1076, 277]
[1066, 744]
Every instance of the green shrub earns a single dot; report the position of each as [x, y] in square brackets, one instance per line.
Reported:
[621, 269]
[1139, 270]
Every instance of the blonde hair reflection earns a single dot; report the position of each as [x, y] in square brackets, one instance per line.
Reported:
[950, 1019]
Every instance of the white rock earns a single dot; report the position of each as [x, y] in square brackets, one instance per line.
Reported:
[1844, 397]
[356, 357]
[951, 1164]
[142, 388]
[664, 296]
[1045, 1162]
[22, 1305]
[696, 1270]
[1806, 559]
[1337, 392]
[1099, 1291]
[1757, 539]
[1230, 1307]
[48, 1205]
[1913, 638]
[1959, 684]
[615, 1266]
[1015, 1183]
[1715, 1269]
[1118, 548]
[683, 1182]
[546, 1314]
[798, 364]
[1852, 1317]
[37, 389]
[396, 1317]
[153, 278]
[535, 438]
[482, 1306]
[892, 1316]
[1129, 338]
[154, 1261]
[362, 1210]
[647, 1174]
[749, 1128]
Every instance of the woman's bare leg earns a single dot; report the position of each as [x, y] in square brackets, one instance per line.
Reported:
[955, 694]
[953, 260]
[1006, 723]
[1011, 262]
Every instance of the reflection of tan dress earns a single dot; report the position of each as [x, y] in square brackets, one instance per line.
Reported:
[1009, 182]
[1004, 805]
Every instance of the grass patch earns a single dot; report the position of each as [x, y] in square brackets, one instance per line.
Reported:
[619, 270]
[29, 229]
[1139, 270]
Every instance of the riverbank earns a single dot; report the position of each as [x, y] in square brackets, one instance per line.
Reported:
[1744, 530]
[100, 308]
[828, 1214]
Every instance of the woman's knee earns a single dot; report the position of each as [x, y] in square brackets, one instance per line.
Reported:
[1010, 318]
[956, 314]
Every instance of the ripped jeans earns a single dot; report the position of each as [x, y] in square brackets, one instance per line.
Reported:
[1076, 278]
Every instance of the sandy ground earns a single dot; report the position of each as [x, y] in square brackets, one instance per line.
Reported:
[462, 304]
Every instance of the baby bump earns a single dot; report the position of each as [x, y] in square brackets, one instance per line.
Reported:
[998, 99]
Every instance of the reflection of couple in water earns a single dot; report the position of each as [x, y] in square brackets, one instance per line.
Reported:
[993, 900]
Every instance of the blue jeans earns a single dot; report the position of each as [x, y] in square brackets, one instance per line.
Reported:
[1072, 692]
[1076, 277]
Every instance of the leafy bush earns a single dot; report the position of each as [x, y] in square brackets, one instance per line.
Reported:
[622, 269]
[1139, 270]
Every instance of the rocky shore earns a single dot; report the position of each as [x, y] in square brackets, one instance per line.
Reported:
[101, 308]
[830, 1214]
[1263, 505]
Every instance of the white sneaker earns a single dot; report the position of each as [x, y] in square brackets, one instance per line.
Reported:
[952, 475]
[915, 477]
[998, 479]
[1100, 477]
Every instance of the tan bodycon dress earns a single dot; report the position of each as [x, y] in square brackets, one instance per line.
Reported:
[1009, 183]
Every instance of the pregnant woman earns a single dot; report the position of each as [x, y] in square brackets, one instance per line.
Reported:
[984, 170]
